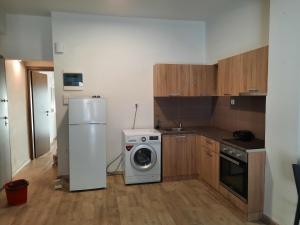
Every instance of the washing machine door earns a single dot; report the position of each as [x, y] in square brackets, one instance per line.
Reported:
[143, 157]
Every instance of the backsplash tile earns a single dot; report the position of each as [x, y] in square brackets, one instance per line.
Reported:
[247, 114]
[191, 112]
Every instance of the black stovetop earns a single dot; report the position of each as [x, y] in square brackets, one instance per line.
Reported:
[246, 145]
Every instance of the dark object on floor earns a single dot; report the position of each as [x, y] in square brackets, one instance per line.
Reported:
[55, 160]
[16, 192]
[296, 169]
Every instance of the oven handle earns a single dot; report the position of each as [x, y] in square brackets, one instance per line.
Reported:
[230, 159]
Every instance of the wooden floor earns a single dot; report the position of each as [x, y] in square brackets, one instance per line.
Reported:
[185, 202]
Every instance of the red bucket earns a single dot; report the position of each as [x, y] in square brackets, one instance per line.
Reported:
[16, 192]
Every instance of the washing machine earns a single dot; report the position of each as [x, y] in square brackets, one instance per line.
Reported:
[141, 156]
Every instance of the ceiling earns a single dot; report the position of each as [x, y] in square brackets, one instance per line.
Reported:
[164, 9]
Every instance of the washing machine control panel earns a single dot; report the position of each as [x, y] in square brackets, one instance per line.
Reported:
[143, 139]
[154, 138]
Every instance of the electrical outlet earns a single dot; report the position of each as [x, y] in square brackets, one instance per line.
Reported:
[232, 101]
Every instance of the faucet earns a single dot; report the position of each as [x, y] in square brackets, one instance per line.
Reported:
[180, 125]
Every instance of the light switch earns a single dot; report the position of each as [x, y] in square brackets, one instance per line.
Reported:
[59, 47]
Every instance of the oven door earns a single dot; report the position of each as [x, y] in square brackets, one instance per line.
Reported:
[234, 175]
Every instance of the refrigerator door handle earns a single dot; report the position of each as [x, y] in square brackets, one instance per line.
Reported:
[77, 124]
[96, 123]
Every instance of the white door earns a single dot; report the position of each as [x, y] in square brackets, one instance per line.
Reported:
[5, 155]
[41, 111]
[87, 154]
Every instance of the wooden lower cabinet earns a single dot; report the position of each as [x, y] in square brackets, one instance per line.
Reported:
[198, 156]
[189, 156]
[179, 157]
[256, 184]
[209, 161]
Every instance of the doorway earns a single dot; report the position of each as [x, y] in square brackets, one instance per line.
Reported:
[26, 95]
[42, 109]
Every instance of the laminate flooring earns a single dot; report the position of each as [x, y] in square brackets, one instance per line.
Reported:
[190, 202]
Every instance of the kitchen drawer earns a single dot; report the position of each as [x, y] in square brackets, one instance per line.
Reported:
[209, 144]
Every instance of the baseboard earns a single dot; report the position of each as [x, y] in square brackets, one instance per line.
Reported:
[21, 167]
[178, 178]
[267, 220]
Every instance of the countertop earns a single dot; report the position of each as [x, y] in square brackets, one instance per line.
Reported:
[210, 132]
[219, 135]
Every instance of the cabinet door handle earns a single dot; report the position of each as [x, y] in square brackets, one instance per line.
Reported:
[174, 94]
[209, 154]
[180, 136]
[230, 159]
[253, 90]
[209, 142]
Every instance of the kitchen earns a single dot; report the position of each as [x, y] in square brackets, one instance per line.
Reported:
[196, 80]
[203, 112]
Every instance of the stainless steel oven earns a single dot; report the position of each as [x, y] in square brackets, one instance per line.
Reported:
[234, 170]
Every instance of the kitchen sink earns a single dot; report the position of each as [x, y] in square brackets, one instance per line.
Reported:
[178, 130]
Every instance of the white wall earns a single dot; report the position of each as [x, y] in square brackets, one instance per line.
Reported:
[2, 22]
[243, 27]
[116, 56]
[282, 118]
[26, 37]
[18, 113]
[52, 107]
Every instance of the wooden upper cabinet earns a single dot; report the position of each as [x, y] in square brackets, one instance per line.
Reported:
[203, 80]
[244, 74]
[184, 80]
[229, 73]
[171, 80]
[255, 71]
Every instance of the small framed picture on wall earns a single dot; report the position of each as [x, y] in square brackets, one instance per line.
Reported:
[73, 81]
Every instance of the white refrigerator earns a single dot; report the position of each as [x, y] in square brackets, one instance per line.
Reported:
[87, 147]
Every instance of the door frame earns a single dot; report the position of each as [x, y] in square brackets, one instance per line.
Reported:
[31, 130]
